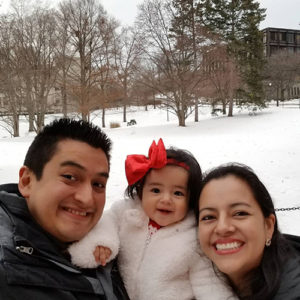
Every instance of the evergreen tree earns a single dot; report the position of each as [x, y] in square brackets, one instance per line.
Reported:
[236, 22]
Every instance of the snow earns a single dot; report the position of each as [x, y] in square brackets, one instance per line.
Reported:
[269, 142]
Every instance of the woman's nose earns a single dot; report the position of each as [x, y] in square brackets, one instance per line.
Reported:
[224, 226]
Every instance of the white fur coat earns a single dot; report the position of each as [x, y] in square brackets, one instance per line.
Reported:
[165, 266]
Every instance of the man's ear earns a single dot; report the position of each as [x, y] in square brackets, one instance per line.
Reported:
[25, 181]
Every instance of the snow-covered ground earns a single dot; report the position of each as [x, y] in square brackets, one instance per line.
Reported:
[269, 142]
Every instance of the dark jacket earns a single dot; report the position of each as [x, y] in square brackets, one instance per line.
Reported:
[33, 265]
[290, 282]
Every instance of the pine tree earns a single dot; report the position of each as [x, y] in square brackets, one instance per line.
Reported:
[236, 22]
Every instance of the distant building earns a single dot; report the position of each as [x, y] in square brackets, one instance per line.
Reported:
[279, 39]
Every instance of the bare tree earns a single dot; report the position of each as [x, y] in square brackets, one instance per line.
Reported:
[222, 77]
[128, 48]
[65, 58]
[9, 77]
[104, 65]
[35, 36]
[178, 69]
[84, 22]
[281, 72]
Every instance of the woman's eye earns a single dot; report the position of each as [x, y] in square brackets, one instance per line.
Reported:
[241, 213]
[69, 177]
[155, 190]
[207, 218]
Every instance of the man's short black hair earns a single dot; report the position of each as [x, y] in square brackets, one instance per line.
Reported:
[45, 143]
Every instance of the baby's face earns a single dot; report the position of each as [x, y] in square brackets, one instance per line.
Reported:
[165, 195]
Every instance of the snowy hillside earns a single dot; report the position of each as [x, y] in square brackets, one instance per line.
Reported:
[269, 142]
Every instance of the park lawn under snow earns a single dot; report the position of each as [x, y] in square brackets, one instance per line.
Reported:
[269, 142]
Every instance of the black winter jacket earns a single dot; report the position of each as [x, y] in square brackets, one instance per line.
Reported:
[290, 281]
[33, 264]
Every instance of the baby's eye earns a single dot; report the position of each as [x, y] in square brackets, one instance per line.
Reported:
[179, 193]
[69, 177]
[155, 190]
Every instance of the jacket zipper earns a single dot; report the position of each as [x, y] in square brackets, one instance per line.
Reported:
[23, 249]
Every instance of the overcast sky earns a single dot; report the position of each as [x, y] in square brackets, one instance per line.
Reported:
[280, 13]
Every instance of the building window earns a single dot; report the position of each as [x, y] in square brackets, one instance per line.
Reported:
[290, 49]
[290, 38]
[265, 38]
[298, 38]
[298, 91]
[283, 36]
[272, 36]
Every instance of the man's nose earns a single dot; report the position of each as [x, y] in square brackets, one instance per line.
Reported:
[84, 194]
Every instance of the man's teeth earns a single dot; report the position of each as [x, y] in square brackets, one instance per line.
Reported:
[228, 246]
[76, 212]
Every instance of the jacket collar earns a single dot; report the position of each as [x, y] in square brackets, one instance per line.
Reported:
[27, 231]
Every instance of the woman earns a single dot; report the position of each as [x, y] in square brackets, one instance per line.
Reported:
[238, 231]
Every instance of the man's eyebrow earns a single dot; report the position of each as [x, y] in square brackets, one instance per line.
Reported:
[79, 166]
[72, 163]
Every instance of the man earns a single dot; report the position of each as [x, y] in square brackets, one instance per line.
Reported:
[59, 199]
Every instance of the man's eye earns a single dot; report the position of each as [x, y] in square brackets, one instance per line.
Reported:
[155, 190]
[99, 185]
[69, 177]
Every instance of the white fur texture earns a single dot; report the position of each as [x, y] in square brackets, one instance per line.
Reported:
[168, 267]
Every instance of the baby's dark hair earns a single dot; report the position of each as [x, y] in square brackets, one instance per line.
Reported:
[194, 179]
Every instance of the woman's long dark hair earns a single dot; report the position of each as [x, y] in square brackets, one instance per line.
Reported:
[264, 281]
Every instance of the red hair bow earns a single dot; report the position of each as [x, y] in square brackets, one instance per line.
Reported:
[136, 166]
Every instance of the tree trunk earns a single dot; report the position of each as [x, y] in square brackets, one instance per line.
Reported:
[124, 113]
[230, 108]
[16, 126]
[64, 101]
[31, 121]
[103, 117]
[196, 111]
[224, 107]
[181, 118]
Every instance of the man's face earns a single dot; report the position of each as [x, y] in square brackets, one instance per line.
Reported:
[69, 198]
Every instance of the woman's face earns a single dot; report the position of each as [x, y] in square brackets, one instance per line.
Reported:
[232, 228]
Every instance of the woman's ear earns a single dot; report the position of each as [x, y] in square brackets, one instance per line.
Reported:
[25, 179]
[269, 226]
